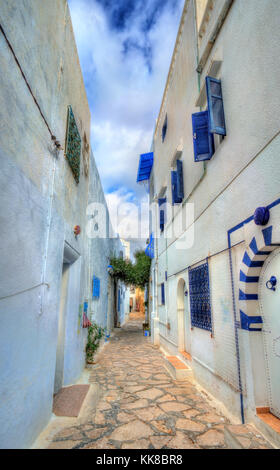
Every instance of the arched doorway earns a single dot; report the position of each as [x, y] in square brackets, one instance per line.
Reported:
[182, 316]
[269, 298]
[259, 301]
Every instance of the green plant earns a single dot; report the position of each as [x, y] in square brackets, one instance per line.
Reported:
[136, 274]
[95, 334]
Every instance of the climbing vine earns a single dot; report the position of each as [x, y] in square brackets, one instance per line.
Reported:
[136, 274]
[95, 334]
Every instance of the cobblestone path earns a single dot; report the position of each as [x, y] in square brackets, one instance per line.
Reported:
[142, 407]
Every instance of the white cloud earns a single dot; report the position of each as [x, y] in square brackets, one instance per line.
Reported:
[129, 216]
[124, 96]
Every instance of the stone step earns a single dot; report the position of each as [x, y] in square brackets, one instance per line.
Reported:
[244, 436]
[178, 369]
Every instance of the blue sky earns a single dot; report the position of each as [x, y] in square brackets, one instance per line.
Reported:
[125, 48]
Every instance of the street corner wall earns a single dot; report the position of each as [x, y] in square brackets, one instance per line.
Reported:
[28, 330]
[100, 247]
[41, 204]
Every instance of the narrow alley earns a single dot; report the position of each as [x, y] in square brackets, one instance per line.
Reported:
[142, 407]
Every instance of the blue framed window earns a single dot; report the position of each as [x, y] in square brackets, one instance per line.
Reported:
[217, 124]
[174, 188]
[162, 207]
[95, 287]
[200, 304]
[180, 180]
[162, 293]
[203, 141]
[164, 129]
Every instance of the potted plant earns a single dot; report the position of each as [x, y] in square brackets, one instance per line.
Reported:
[95, 334]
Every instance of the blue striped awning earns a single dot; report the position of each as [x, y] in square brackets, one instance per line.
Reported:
[145, 166]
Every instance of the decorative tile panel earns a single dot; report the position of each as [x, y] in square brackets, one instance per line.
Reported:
[73, 145]
[200, 297]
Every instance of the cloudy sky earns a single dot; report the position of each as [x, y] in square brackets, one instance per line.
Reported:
[125, 48]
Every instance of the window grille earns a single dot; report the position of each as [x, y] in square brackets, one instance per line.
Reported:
[73, 145]
[200, 297]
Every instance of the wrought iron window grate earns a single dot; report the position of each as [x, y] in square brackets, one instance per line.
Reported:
[73, 145]
[200, 297]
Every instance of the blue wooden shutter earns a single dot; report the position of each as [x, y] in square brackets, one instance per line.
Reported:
[95, 287]
[217, 124]
[162, 294]
[161, 202]
[203, 141]
[174, 187]
[180, 180]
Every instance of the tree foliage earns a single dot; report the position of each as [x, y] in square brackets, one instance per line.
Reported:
[136, 274]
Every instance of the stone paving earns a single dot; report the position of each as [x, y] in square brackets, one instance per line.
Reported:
[142, 407]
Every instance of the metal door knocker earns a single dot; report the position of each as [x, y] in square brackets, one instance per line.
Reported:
[272, 283]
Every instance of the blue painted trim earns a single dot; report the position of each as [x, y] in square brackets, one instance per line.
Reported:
[243, 296]
[274, 204]
[254, 248]
[246, 322]
[230, 231]
[252, 264]
[248, 279]
[267, 235]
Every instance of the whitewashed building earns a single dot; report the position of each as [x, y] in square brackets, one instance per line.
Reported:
[52, 274]
[215, 279]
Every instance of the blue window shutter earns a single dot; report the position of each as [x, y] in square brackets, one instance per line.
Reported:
[161, 202]
[174, 187]
[180, 180]
[203, 141]
[95, 287]
[217, 124]
[162, 294]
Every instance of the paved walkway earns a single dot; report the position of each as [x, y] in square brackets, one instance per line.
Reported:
[142, 407]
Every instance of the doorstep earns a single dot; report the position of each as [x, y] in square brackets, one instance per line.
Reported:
[244, 436]
[178, 369]
[269, 425]
[186, 355]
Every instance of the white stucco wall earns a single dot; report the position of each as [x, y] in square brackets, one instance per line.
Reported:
[243, 174]
[40, 205]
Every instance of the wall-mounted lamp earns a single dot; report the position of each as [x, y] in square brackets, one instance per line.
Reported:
[110, 269]
[271, 284]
